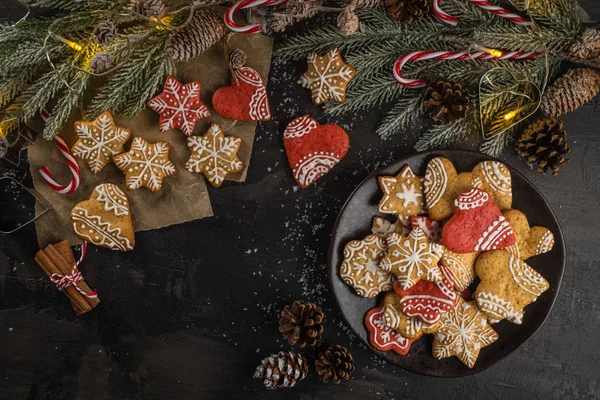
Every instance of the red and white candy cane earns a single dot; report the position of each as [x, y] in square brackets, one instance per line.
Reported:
[64, 149]
[451, 55]
[486, 5]
[242, 4]
[64, 281]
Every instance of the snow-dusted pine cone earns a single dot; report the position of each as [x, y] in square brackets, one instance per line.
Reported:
[347, 21]
[205, 29]
[148, 8]
[587, 46]
[105, 33]
[282, 370]
[101, 62]
[571, 91]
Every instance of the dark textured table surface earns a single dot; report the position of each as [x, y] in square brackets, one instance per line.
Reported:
[193, 309]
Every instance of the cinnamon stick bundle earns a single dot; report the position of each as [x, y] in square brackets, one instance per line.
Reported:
[59, 259]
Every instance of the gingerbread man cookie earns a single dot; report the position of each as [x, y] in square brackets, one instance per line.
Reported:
[442, 186]
[327, 76]
[531, 241]
[507, 285]
[412, 258]
[494, 177]
[402, 195]
[394, 318]
[360, 267]
[99, 140]
[463, 332]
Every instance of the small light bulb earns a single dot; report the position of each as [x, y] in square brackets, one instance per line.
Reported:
[510, 115]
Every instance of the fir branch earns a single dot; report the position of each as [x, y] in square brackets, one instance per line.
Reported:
[498, 143]
[402, 115]
[42, 91]
[441, 136]
[66, 104]
[24, 30]
[80, 5]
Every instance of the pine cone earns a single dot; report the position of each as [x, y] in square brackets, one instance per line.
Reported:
[447, 101]
[407, 10]
[282, 370]
[148, 8]
[367, 3]
[237, 58]
[335, 363]
[280, 21]
[101, 62]
[298, 8]
[302, 323]
[205, 29]
[347, 21]
[105, 33]
[586, 47]
[570, 91]
[544, 143]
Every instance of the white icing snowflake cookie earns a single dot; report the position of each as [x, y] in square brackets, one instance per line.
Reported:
[327, 76]
[360, 267]
[402, 195]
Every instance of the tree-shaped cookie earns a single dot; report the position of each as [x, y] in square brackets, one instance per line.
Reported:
[402, 195]
[412, 258]
[327, 76]
[214, 155]
[99, 140]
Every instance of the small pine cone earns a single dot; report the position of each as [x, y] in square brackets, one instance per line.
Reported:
[571, 91]
[148, 8]
[347, 21]
[586, 47]
[367, 3]
[407, 10]
[282, 370]
[298, 8]
[544, 143]
[280, 21]
[335, 363]
[105, 33]
[205, 29]
[101, 62]
[302, 323]
[447, 101]
[237, 58]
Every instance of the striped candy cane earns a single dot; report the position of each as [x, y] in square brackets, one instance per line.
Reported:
[451, 55]
[486, 5]
[242, 4]
[64, 149]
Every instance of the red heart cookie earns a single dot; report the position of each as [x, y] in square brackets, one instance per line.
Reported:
[246, 99]
[384, 338]
[313, 149]
[428, 300]
[477, 225]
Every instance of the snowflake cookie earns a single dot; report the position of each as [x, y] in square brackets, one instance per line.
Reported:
[507, 285]
[179, 106]
[146, 164]
[394, 318]
[412, 258]
[99, 140]
[105, 219]
[402, 195]
[360, 267]
[384, 338]
[214, 155]
[463, 332]
[327, 76]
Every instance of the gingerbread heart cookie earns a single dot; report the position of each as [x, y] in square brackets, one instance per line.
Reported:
[313, 149]
[442, 186]
[394, 318]
[477, 225]
[383, 338]
[531, 241]
[494, 178]
[507, 285]
[105, 219]
[246, 99]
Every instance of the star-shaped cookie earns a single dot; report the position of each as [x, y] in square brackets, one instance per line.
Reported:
[327, 76]
[146, 164]
[412, 258]
[179, 106]
[402, 195]
[463, 331]
[214, 155]
[99, 140]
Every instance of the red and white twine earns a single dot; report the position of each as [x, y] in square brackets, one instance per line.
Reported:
[73, 166]
[486, 5]
[64, 281]
[243, 4]
[451, 55]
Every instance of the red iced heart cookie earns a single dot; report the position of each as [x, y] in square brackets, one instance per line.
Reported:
[432, 229]
[384, 338]
[477, 225]
[313, 149]
[246, 99]
[428, 300]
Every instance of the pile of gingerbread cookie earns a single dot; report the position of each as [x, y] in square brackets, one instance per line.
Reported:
[452, 265]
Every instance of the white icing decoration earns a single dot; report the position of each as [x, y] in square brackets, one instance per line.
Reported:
[328, 82]
[401, 195]
[526, 277]
[436, 182]
[384, 337]
[545, 244]
[113, 198]
[497, 176]
[259, 102]
[494, 235]
[471, 199]
[313, 166]
[92, 229]
[299, 127]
